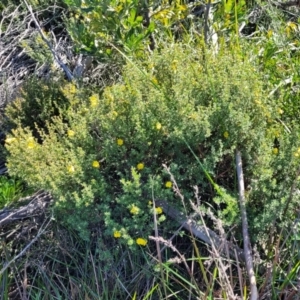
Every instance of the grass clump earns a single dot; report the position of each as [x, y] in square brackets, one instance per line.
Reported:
[10, 190]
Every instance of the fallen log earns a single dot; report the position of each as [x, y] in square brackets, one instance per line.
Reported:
[36, 205]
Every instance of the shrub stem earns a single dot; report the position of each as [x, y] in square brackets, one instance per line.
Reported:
[247, 245]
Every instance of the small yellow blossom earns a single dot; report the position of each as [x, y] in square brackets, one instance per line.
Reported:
[71, 169]
[72, 89]
[280, 111]
[226, 134]
[174, 65]
[134, 210]
[94, 100]
[115, 114]
[269, 33]
[158, 126]
[96, 164]
[193, 116]
[158, 210]
[154, 80]
[117, 234]
[168, 184]
[30, 143]
[257, 102]
[140, 166]
[71, 133]
[275, 151]
[120, 142]
[10, 140]
[297, 153]
[141, 242]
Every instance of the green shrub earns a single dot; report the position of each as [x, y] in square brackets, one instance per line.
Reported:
[106, 27]
[97, 26]
[102, 158]
[39, 101]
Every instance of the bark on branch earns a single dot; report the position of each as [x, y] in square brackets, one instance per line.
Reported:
[36, 206]
[247, 245]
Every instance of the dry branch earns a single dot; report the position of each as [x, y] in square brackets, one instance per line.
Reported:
[247, 245]
[205, 234]
[36, 206]
[40, 232]
[54, 53]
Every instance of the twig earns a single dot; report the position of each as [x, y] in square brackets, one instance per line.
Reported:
[157, 244]
[206, 20]
[247, 245]
[202, 232]
[40, 232]
[56, 58]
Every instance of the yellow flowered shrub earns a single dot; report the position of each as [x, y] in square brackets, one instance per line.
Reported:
[211, 105]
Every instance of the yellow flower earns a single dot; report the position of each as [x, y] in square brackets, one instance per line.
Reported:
[10, 140]
[158, 126]
[297, 153]
[120, 142]
[71, 133]
[158, 210]
[269, 33]
[154, 80]
[117, 234]
[72, 89]
[226, 134]
[168, 184]
[71, 169]
[140, 166]
[94, 100]
[280, 111]
[134, 210]
[275, 151]
[141, 242]
[96, 164]
[30, 143]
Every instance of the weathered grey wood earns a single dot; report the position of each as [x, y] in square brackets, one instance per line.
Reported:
[200, 231]
[36, 206]
[247, 244]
